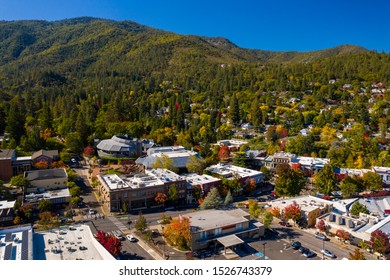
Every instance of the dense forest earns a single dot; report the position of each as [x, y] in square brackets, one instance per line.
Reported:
[87, 78]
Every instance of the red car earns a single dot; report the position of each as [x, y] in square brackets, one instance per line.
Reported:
[284, 224]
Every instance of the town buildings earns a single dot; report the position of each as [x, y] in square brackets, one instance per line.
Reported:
[204, 182]
[231, 172]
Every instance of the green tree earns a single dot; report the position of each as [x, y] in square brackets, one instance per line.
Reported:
[350, 187]
[253, 208]
[15, 120]
[234, 111]
[141, 223]
[372, 181]
[240, 159]
[45, 205]
[75, 191]
[212, 200]
[228, 199]
[266, 173]
[266, 218]
[19, 181]
[195, 164]
[173, 194]
[74, 142]
[358, 208]
[290, 183]
[165, 162]
[325, 180]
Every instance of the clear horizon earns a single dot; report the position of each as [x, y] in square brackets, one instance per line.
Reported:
[278, 26]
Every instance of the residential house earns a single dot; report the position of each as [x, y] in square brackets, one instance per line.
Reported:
[228, 227]
[341, 173]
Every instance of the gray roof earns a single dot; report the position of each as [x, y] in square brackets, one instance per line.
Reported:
[47, 153]
[7, 153]
[46, 174]
[116, 144]
[211, 219]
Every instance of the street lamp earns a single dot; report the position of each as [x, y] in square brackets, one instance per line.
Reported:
[264, 249]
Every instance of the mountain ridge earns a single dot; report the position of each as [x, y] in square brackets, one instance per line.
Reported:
[31, 37]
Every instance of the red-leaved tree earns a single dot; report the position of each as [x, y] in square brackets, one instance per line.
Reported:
[321, 225]
[293, 212]
[112, 244]
[223, 153]
[380, 242]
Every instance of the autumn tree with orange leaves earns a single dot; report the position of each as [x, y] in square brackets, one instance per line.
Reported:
[160, 198]
[224, 153]
[177, 233]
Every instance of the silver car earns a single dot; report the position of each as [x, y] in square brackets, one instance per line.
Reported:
[328, 254]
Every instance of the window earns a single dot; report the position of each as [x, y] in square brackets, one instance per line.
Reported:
[239, 226]
[203, 235]
[125, 194]
[217, 231]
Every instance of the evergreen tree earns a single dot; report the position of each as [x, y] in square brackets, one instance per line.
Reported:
[234, 111]
[15, 120]
[212, 200]
[325, 180]
[228, 198]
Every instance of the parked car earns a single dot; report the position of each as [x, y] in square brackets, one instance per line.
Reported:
[303, 250]
[91, 211]
[296, 245]
[286, 224]
[321, 236]
[328, 253]
[131, 238]
[309, 254]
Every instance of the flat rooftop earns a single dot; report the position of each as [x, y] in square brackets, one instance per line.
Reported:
[70, 243]
[306, 203]
[114, 182]
[165, 175]
[211, 219]
[52, 194]
[227, 170]
[196, 179]
[16, 243]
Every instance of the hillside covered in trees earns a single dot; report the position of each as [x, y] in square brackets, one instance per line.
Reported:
[88, 78]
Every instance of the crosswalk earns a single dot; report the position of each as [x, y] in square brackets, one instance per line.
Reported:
[116, 222]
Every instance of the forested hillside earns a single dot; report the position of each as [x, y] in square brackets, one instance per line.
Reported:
[88, 78]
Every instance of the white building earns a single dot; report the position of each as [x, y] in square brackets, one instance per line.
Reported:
[178, 154]
[231, 172]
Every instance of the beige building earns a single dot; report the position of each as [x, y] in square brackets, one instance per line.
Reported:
[228, 227]
[45, 180]
[311, 207]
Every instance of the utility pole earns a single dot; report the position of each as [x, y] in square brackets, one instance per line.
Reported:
[264, 249]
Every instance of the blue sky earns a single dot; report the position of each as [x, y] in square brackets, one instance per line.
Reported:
[300, 25]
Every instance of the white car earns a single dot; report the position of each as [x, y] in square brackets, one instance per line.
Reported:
[131, 238]
[91, 211]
